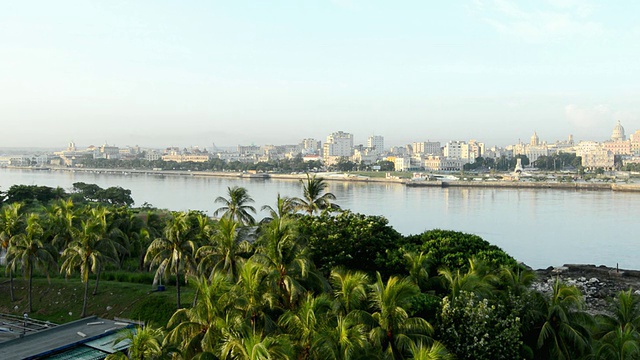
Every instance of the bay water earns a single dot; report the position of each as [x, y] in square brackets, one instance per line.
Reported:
[540, 227]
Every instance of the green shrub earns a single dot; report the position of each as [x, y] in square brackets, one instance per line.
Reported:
[452, 250]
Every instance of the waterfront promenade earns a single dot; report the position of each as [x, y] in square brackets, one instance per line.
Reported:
[347, 177]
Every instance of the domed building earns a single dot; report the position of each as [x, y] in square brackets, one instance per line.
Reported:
[534, 139]
[618, 133]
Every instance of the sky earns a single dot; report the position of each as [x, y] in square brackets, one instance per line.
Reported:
[160, 73]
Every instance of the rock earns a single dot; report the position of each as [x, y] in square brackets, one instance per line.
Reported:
[597, 284]
[109, 308]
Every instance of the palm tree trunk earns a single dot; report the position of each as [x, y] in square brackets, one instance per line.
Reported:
[95, 288]
[30, 283]
[84, 303]
[11, 285]
[195, 298]
[141, 260]
[178, 284]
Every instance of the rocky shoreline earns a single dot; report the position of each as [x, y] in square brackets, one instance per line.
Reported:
[598, 283]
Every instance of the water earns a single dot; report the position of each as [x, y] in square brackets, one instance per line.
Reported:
[540, 227]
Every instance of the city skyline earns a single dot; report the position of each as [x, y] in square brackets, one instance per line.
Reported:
[229, 73]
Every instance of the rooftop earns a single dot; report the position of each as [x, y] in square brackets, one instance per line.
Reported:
[57, 339]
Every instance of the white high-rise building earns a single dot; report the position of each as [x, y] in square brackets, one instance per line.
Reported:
[455, 149]
[339, 144]
[376, 142]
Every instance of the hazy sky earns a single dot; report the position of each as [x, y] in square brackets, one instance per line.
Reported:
[160, 73]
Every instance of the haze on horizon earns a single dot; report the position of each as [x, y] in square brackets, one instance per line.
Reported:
[162, 73]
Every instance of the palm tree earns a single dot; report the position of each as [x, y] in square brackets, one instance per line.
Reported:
[395, 332]
[236, 206]
[29, 252]
[564, 334]
[285, 206]
[145, 343]
[517, 280]
[478, 279]
[313, 199]
[111, 236]
[253, 295]
[223, 250]
[347, 339]
[174, 251]
[418, 267]
[11, 223]
[350, 290]
[619, 344]
[248, 345]
[288, 263]
[201, 328]
[124, 228]
[88, 251]
[435, 351]
[62, 220]
[618, 331]
[305, 321]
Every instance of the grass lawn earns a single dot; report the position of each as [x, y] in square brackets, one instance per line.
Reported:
[382, 174]
[61, 301]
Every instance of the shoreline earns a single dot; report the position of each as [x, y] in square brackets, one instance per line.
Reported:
[598, 284]
[344, 177]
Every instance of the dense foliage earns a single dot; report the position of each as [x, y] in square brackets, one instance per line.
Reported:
[500, 164]
[453, 249]
[558, 161]
[353, 241]
[308, 284]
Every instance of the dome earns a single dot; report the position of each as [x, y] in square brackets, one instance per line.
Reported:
[534, 139]
[618, 133]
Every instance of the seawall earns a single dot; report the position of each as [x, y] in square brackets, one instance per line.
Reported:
[364, 179]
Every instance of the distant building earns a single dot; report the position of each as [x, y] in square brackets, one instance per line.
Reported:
[442, 163]
[311, 146]
[533, 150]
[598, 158]
[402, 163]
[618, 145]
[455, 149]
[376, 142]
[153, 155]
[249, 150]
[107, 152]
[195, 155]
[366, 156]
[338, 144]
[618, 133]
[427, 147]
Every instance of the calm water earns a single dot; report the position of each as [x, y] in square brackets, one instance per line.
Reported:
[539, 227]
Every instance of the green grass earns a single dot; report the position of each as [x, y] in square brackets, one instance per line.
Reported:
[61, 301]
[383, 174]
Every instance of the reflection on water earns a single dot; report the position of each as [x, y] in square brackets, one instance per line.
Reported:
[539, 227]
